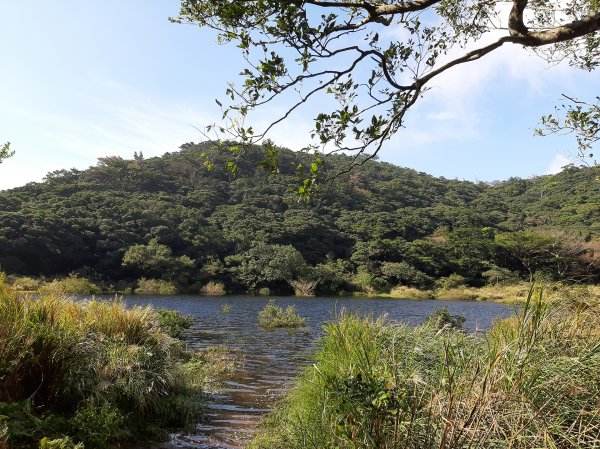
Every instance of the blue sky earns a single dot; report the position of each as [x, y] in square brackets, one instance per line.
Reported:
[82, 79]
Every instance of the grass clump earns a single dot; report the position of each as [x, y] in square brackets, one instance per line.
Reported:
[273, 316]
[303, 287]
[173, 323]
[533, 381]
[405, 292]
[24, 283]
[155, 287]
[71, 285]
[226, 308]
[213, 289]
[95, 372]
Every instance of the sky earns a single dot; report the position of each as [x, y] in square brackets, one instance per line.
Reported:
[81, 80]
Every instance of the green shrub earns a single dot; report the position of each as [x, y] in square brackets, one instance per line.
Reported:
[71, 285]
[59, 443]
[441, 319]
[500, 276]
[173, 323]
[99, 425]
[272, 316]
[452, 281]
[405, 274]
[369, 283]
[155, 287]
[26, 283]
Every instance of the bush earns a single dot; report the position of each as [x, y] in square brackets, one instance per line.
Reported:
[26, 284]
[369, 283]
[441, 319]
[173, 323]
[273, 316]
[452, 281]
[410, 293]
[94, 371]
[500, 276]
[405, 274]
[303, 287]
[59, 443]
[99, 425]
[71, 285]
[213, 289]
[155, 287]
[532, 382]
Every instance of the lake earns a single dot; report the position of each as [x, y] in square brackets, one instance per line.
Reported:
[271, 358]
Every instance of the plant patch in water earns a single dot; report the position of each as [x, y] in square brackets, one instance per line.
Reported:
[226, 308]
[273, 316]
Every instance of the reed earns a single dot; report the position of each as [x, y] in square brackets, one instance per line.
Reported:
[213, 289]
[532, 381]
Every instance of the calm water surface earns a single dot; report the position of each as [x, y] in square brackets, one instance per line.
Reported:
[270, 359]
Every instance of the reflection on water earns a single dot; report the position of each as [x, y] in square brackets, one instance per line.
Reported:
[270, 359]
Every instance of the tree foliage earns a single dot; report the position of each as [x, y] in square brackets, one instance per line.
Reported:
[169, 218]
[369, 62]
[579, 117]
[6, 152]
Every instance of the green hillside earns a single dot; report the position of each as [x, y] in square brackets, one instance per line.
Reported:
[187, 219]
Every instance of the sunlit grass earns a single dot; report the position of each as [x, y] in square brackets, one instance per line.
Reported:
[532, 381]
[95, 371]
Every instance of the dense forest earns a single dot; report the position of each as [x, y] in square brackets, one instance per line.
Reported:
[191, 218]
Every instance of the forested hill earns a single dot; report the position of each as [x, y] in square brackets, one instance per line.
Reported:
[186, 218]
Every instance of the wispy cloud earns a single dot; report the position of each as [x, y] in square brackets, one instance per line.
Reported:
[557, 164]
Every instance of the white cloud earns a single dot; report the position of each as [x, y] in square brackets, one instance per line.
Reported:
[557, 164]
[115, 121]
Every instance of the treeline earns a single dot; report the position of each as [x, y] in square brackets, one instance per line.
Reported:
[190, 219]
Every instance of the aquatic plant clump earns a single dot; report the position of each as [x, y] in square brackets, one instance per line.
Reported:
[91, 372]
[533, 381]
[274, 316]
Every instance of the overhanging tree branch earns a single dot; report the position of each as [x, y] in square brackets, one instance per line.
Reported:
[368, 103]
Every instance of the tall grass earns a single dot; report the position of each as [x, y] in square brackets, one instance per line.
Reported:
[95, 371]
[71, 285]
[155, 287]
[532, 382]
[213, 288]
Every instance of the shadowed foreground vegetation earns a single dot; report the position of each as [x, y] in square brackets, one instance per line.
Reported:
[93, 371]
[532, 381]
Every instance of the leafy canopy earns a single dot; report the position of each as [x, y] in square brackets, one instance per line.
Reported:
[6, 152]
[366, 77]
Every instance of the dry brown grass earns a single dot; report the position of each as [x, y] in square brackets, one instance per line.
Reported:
[213, 289]
[405, 292]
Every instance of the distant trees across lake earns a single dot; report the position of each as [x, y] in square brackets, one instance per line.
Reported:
[189, 220]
